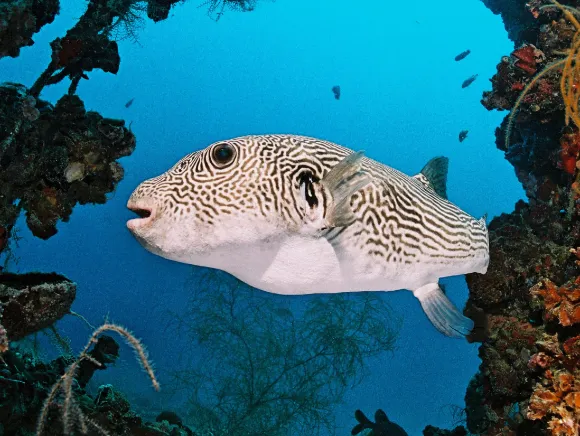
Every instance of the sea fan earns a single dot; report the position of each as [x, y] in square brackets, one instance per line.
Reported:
[216, 8]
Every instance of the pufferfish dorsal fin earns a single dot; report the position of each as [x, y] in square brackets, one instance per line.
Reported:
[342, 181]
[483, 219]
[434, 175]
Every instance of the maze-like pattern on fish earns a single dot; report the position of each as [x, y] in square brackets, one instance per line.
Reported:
[399, 219]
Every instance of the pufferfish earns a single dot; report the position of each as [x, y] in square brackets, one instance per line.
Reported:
[297, 215]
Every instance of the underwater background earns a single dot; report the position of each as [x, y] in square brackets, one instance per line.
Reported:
[195, 81]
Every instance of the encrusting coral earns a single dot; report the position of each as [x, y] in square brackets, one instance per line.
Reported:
[560, 304]
[529, 301]
[20, 19]
[46, 397]
[32, 302]
[71, 413]
[528, 57]
[52, 158]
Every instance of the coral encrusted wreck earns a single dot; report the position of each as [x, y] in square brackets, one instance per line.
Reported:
[529, 379]
[53, 157]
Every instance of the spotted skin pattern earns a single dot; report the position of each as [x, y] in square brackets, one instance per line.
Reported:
[399, 219]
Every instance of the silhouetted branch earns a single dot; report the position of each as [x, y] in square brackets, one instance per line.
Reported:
[268, 370]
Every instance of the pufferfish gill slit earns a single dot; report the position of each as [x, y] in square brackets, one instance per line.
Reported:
[297, 215]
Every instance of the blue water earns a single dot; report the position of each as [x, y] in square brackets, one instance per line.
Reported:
[196, 81]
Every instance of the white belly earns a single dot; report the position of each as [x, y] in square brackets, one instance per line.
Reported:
[296, 264]
[307, 265]
[299, 265]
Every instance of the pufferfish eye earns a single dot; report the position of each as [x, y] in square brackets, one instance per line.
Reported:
[223, 154]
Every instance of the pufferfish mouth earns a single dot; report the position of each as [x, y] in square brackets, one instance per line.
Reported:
[145, 212]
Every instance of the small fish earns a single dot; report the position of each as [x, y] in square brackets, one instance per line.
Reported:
[336, 92]
[469, 81]
[382, 427]
[297, 215]
[463, 135]
[462, 55]
[129, 103]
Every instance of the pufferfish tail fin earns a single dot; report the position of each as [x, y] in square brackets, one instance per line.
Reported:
[442, 313]
[342, 181]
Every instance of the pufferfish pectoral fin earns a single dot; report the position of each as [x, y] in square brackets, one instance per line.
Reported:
[442, 313]
[342, 181]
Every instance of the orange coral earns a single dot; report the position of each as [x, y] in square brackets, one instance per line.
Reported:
[561, 303]
[542, 403]
[569, 148]
[557, 397]
[573, 400]
[4, 344]
[563, 427]
[564, 382]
